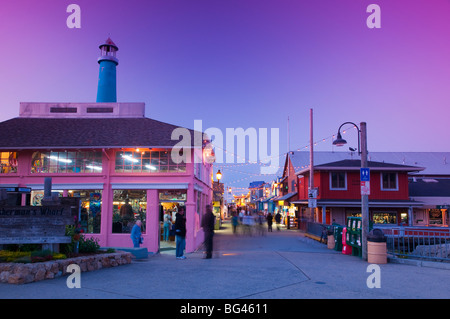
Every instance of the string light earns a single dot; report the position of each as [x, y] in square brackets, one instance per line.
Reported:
[248, 162]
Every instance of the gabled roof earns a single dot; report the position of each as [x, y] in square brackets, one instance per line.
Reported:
[434, 163]
[66, 133]
[349, 165]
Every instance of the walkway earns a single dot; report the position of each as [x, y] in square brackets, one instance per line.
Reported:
[280, 265]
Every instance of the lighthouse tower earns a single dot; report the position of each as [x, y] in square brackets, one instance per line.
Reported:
[107, 91]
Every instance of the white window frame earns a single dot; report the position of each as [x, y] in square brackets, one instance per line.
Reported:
[331, 181]
[389, 189]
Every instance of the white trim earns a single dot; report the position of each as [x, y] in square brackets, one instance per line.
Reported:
[149, 185]
[331, 182]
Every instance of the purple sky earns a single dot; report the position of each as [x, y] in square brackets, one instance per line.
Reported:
[244, 63]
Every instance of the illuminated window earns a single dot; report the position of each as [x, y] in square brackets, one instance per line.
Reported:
[8, 162]
[67, 162]
[147, 161]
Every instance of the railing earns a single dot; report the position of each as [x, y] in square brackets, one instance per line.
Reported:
[418, 243]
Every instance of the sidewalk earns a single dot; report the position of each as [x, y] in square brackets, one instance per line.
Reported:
[280, 265]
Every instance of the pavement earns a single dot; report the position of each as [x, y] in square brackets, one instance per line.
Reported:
[277, 265]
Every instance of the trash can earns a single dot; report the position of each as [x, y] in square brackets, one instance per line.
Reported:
[376, 247]
[330, 238]
[338, 237]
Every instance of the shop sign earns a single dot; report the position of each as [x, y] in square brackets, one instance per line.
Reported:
[172, 196]
[34, 224]
[443, 206]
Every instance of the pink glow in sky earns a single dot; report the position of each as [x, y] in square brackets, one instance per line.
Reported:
[244, 63]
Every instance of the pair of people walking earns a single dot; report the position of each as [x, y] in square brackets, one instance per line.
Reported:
[208, 223]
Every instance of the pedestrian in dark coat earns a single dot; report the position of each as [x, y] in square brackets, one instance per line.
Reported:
[208, 223]
[269, 222]
[180, 233]
[278, 220]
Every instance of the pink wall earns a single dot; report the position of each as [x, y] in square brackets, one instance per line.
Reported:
[108, 178]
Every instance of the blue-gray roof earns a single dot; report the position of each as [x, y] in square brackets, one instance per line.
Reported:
[435, 163]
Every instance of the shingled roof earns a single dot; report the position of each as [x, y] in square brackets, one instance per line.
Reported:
[53, 133]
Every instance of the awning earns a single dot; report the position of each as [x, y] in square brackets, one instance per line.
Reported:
[287, 196]
[357, 203]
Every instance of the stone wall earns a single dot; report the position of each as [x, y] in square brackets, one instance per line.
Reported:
[17, 273]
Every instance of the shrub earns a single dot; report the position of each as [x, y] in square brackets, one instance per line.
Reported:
[41, 255]
[89, 245]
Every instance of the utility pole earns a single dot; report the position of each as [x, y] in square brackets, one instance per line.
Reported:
[364, 198]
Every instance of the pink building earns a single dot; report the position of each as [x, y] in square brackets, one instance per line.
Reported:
[117, 161]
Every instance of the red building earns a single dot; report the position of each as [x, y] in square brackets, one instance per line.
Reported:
[338, 187]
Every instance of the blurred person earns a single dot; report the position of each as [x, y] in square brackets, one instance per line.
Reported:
[208, 223]
[136, 234]
[180, 233]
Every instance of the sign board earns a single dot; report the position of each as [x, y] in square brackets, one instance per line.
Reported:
[443, 206]
[312, 203]
[34, 224]
[365, 174]
[312, 193]
[365, 188]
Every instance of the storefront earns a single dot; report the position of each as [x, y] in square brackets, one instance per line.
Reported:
[117, 184]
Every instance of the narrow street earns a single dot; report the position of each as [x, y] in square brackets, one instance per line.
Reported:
[279, 265]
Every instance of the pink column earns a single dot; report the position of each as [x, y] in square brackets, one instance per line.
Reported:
[190, 219]
[107, 214]
[151, 237]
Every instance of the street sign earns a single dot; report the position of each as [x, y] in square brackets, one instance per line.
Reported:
[312, 203]
[365, 188]
[365, 174]
[312, 193]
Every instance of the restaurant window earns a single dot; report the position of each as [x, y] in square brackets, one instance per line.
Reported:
[129, 205]
[435, 217]
[147, 161]
[385, 218]
[67, 162]
[338, 180]
[8, 162]
[90, 206]
[389, 181]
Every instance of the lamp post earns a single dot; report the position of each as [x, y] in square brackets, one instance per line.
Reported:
[362, 150]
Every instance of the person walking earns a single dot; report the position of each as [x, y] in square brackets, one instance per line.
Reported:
[136, 234]
[208, 222]
[234, 221]
[269, 222]
[180, 234]
[166, 226]
[278, 220]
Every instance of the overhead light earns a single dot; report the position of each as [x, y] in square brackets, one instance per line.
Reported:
[98, 168]
[339, 141]
[53, 157]
[130, 158]
[153, 168]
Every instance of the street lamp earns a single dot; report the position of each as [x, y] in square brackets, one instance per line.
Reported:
[362, 150]
[218, 175]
